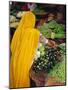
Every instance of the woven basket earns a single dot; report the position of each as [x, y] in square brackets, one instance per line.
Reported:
[41, 79]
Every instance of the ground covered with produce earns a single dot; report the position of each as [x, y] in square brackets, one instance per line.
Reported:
[51, 61]
[49, 66]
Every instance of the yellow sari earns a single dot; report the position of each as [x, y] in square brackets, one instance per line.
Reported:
[23, 48]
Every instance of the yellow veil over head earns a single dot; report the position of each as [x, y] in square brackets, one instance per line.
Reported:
[23, 47]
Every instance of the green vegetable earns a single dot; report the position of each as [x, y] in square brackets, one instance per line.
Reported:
[59, 35]
[62, 47]
[38, 10]
[42, 48]
[52, 35]
[59, 71]
[52, 27]
[47, 60]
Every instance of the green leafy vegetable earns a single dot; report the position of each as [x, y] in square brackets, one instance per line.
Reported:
[38, 10]
[62, 48]
[52, 27]
[47, 60]
[59, 71]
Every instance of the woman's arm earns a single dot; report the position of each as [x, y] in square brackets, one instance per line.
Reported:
[50, 43]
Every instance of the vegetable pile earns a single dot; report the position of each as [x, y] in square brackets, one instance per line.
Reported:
[59, 71]
[52, 30]
[51, 61]
[47, 60]
[38, 10]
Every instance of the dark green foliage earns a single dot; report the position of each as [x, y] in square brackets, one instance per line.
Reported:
[47, 62]
[52, 27]
[59, 70]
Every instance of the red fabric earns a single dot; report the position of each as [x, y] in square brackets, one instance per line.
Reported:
[25, 7]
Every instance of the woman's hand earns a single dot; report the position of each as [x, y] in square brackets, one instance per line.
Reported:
[52, 43]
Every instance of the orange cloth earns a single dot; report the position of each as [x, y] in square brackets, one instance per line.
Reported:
[23, 48]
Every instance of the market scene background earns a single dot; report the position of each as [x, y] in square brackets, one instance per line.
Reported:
[49, 67]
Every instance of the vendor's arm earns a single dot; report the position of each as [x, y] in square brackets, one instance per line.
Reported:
[50, 43]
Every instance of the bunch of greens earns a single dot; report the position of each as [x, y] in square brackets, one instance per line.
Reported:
[52, 30]
[40, 61]
[47, 59]
[51, 61]
[38, 9]
[59, 71]
[62, 47]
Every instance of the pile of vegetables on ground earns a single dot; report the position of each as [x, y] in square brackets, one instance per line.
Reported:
[59, 71]
[51, 61]
[53, 30]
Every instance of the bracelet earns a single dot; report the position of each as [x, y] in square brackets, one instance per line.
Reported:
[46, 41]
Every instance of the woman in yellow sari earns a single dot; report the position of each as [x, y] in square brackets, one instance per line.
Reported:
[23, 48]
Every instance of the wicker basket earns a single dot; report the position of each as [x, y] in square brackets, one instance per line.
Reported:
[41, 79]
